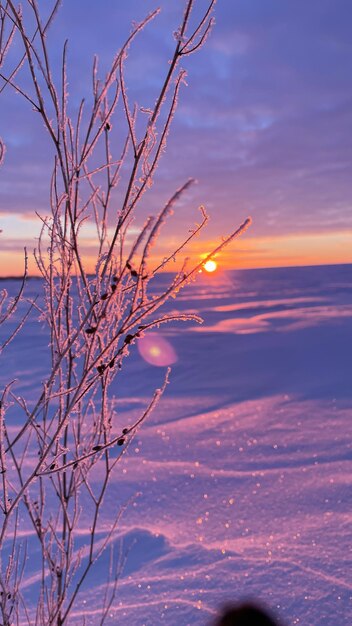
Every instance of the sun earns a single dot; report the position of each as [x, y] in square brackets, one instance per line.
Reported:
[210, 266]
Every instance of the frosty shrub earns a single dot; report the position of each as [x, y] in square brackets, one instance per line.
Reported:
[8, 306]
[70, 432]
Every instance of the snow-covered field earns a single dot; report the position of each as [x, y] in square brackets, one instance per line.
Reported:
[242, 476]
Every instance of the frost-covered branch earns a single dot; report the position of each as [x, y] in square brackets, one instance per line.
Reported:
[95, 306]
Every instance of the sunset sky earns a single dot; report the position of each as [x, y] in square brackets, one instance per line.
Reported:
[264, 126]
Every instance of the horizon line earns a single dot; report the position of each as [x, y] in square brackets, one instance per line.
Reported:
[227, 269]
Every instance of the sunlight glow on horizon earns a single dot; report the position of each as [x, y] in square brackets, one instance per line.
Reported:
[210, 266]
[246, 252]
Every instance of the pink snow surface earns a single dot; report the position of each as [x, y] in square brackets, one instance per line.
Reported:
[239, 484]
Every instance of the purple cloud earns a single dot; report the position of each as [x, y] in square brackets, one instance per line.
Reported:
[262, 126]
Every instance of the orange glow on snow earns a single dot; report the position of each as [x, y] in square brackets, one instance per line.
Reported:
[156, 350]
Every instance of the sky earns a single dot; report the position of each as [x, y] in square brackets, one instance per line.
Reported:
[264, 125]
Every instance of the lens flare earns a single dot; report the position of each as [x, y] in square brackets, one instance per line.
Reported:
[156, 350]
[210, 266]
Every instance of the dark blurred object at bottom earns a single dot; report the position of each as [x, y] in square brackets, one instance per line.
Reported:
[246, 615]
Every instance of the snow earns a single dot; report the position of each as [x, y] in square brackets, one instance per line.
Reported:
[238, 485]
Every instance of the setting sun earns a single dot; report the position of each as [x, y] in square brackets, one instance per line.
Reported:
[210, 266]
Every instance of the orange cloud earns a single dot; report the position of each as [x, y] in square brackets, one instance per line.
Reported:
[245, 252]
[283, 251]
